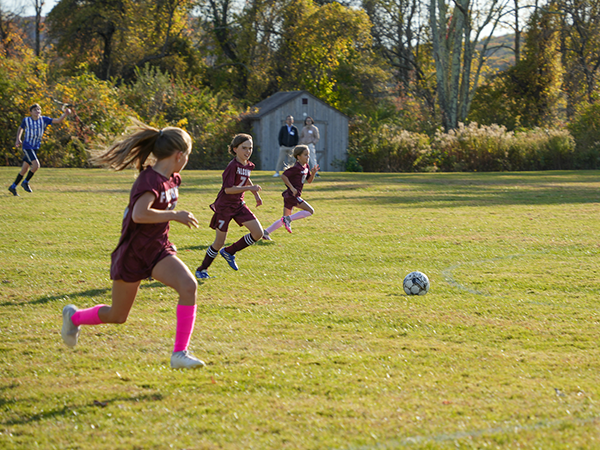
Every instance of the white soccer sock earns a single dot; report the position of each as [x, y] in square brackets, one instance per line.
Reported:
[274, 226]
[300, 215]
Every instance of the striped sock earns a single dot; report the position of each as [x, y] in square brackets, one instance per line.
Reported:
[210, 256]
[244, 242]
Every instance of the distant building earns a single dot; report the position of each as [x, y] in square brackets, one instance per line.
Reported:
[332, 125]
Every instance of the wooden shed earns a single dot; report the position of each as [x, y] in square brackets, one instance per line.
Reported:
[332, 124]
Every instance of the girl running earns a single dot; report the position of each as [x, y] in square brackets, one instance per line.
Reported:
[144, 249]
[294, 178]
[230, 205]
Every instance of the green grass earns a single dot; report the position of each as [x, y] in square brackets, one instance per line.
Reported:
[313, 344]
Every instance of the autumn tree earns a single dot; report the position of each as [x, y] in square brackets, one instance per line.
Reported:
[90, 32]
[527, 94]
[327, 51]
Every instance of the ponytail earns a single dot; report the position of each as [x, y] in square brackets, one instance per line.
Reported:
[136, 147]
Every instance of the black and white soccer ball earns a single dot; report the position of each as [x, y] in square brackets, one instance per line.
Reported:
[416, 283]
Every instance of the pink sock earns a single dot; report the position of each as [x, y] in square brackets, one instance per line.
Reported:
[300, 215]
[186, 317]
[274, 226]
[87, 316]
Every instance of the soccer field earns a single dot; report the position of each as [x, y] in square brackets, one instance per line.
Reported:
[313, 343]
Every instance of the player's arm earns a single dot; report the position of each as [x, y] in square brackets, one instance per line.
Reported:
[256, 193]
[18, 141]
[312, 173]
[286, 181]
[63, 117]
[144, 213]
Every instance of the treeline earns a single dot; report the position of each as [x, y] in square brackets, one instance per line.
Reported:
[418, 79]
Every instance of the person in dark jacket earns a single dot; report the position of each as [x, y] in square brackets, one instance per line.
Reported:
[288, 139]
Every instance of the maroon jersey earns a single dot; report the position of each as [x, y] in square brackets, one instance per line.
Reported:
[143, 245]
[297, 175]
[235, 174]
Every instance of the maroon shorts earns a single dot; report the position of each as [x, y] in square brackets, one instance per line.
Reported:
[220, 220]
[132, 266]
[290, 201]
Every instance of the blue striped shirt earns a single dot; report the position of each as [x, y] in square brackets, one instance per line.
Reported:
[33, 131]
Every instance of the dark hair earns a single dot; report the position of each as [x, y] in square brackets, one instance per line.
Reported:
[142, 141]
[35, 105]
[299, 149]
[308, 117]
[237, 140]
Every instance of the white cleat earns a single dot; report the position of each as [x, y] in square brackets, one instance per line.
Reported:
[69, 332]
[183, 360]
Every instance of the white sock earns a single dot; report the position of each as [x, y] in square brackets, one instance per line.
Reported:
[275, 225]
[300, 215]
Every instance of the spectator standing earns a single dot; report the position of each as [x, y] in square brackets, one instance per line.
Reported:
[288, 139]
[309, 136]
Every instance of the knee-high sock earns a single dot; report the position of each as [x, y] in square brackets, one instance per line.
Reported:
[245, 241]
[29, 176]
[19, 178]
[210, 256]
[300, 215]
[278, 223]
[274, 226]
[87, 316]
[186, 318]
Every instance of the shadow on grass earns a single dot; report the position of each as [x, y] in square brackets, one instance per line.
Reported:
[53, 298]
[201, 248]
[69, 409]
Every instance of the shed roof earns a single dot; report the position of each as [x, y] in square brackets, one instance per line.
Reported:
[279, 98]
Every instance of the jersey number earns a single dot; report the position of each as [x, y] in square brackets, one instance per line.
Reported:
[243, 183]
[221, 223]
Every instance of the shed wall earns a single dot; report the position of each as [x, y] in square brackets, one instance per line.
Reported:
[332, 125]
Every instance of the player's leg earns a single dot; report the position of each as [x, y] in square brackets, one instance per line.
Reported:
[211, 253]
[256, 233]
[34, 165]
[174, 273]
[123, 296]
[302, 214]
[285, 220]
[13, 187]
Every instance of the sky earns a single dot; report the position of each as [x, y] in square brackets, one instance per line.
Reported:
[27, 6]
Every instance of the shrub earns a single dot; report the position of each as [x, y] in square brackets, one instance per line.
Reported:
[385, 147]
[472, 148]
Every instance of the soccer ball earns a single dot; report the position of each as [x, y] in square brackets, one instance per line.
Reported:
[416, 283]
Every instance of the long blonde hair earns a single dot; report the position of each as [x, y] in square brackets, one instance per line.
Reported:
[143, 141]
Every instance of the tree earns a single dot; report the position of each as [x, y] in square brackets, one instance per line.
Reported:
[527, 94]
[11, 33]
[322, 46]
[580, 48]
[38, 5]
[399, 34]
[455, 35]
[89, 31]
